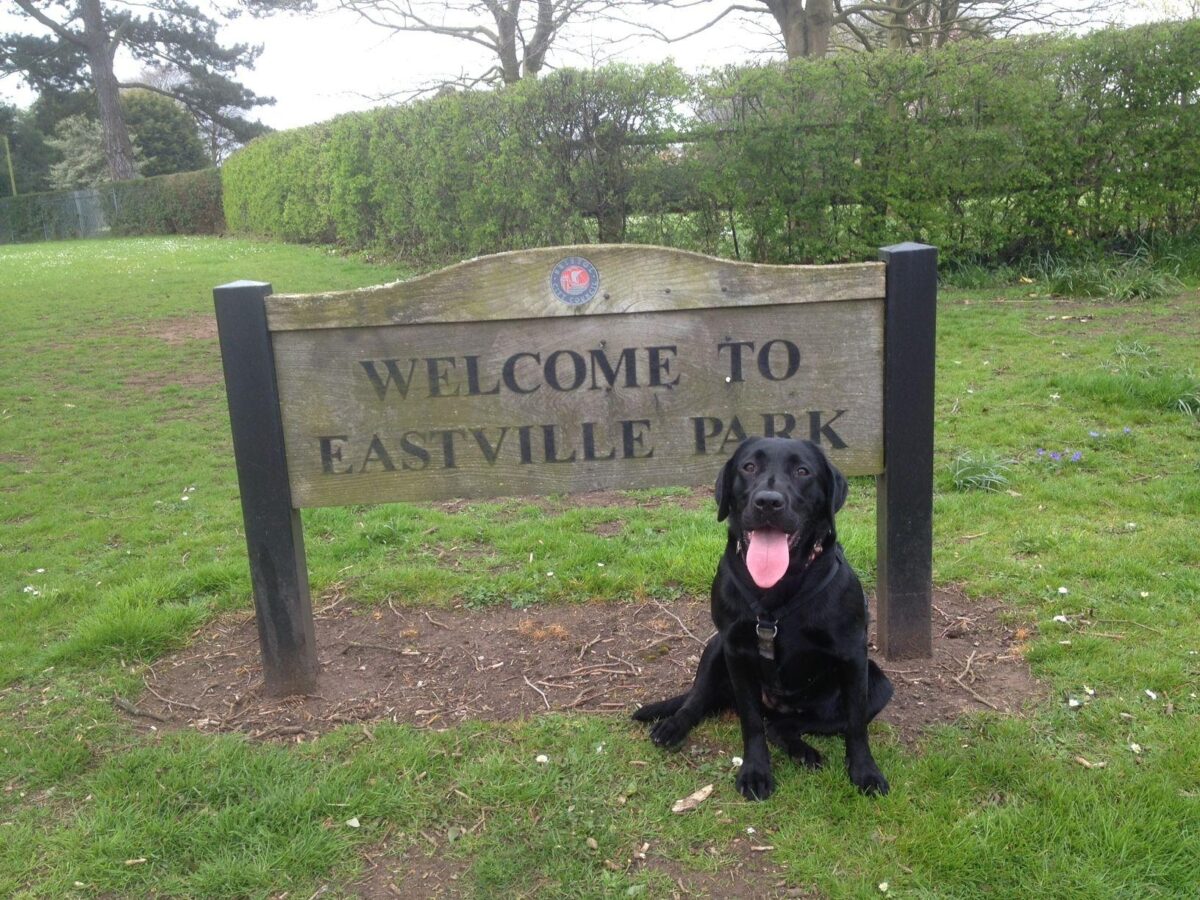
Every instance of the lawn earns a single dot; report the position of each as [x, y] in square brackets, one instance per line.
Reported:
[120, 536]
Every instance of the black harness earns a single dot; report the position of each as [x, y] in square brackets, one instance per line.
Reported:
[767, 624]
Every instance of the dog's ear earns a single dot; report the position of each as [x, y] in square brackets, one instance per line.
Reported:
[837, 488]
[724, 489]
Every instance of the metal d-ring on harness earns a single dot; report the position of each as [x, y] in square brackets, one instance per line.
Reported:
[767, 626]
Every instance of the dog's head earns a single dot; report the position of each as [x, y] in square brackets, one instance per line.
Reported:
[780, 497]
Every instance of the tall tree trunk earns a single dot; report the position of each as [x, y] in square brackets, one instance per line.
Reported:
[118, 148]
[898, 31]
[805, 31]
[820, 26]
[535, 49]
[505, 15]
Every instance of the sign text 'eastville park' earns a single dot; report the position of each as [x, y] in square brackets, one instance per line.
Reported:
[525, 373]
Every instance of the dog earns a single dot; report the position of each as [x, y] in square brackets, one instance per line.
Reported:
[790, 652]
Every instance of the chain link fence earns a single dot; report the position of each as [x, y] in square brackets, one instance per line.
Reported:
[53, 216]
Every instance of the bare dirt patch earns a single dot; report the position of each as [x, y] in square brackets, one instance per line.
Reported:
[438, 668]
[412, 873]
[156, 382]
[180, 330]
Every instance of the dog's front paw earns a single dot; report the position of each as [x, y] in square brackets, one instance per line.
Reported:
[868, 779]
[671, 732]
[755, 782]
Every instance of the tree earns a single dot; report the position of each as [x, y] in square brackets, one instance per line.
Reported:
[220, 127]
[164, 132]
[516, 35]
[31, 155]
[811, 28]
[80, 144]
[75, 44]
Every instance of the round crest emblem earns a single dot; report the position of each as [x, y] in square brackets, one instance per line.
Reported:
[574, 280]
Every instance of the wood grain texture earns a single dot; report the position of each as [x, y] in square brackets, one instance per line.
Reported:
[632, 279]
[559, 405]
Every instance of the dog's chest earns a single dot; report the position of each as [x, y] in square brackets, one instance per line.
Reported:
[802, 662]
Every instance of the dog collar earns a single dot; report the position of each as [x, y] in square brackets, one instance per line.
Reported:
[817, 550]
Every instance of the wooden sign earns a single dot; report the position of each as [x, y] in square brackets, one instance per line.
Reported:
[558, 370]
[534, 395]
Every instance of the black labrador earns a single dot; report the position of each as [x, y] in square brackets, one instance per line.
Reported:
[790, 653]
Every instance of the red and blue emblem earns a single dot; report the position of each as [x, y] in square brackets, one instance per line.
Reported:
[574, 280]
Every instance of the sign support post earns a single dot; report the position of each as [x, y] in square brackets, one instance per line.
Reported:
[904, 490]
[274, 534]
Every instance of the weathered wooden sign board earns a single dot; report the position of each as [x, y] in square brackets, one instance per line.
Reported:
[570, 369]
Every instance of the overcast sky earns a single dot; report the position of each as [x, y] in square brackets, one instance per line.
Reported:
[318, 67]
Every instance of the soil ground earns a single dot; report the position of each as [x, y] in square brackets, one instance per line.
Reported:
[438, 668]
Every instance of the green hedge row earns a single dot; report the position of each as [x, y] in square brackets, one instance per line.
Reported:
[990, 150]
[548, 161]
[186, 203]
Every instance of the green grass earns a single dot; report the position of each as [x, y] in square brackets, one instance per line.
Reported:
[109, 419]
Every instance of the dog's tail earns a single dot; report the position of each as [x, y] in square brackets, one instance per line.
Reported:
[652, 712]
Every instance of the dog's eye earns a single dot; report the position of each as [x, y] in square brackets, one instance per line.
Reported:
[802, 471]
[749, 467]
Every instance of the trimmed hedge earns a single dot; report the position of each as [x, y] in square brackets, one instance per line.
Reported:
[186, 203]
[547, 161]
[990, 150]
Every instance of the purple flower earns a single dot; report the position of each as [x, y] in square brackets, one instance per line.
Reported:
[1056, 456]
[1041, 452]
[1128, 430]
[1076, 456]
[1093, 434]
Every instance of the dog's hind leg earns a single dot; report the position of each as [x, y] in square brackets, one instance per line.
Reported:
[652, 712]
[827, 716]
[879, 690]
[710, 693]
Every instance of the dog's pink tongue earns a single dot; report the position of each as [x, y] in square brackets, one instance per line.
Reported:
[767, 556]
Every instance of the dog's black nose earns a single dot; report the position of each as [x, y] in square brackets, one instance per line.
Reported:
[768, 501]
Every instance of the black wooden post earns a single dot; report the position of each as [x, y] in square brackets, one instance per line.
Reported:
[904, 494]
[274, 535]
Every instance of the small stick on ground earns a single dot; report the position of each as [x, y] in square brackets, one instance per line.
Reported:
[123, 704]
[686, 630]
[435, 621]
[586, 695]
[978, 696]
[967, 667]
[1131, 622]
[586, 647]
[538, 689]
[170, 702]
[353, 645]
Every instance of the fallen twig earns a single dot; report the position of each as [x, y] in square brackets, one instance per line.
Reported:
[686, 630]
[123, 704]
[967, 667]
[1130, 622]
[170, 702]
[538, 689]
[586, 647]
[978, 696]
[357, 646]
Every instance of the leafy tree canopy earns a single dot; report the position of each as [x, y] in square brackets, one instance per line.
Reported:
[164, 132]
[70, 45]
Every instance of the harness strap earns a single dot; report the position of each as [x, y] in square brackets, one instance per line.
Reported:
[767, 626]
